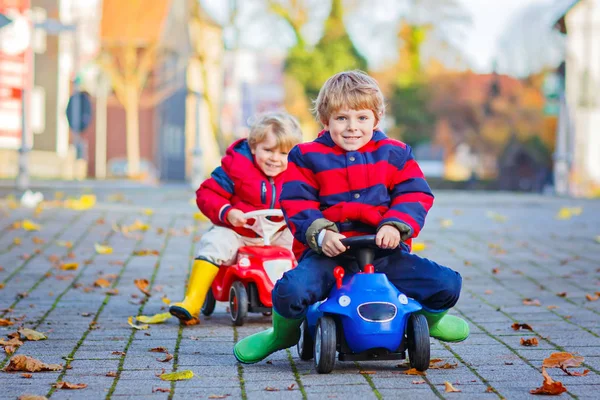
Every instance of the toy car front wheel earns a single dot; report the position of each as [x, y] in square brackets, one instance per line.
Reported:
[325, 345]
[209, 303]
[238, 303]
[306, 344]
[417, 334]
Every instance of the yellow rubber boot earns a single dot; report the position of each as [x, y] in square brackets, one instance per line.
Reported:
[202, 276]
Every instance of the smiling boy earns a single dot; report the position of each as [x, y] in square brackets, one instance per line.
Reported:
[353, 180]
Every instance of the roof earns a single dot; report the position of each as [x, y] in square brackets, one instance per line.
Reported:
[558, 12]
[137, 21]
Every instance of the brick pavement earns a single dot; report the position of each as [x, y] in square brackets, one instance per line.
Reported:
[508, 248]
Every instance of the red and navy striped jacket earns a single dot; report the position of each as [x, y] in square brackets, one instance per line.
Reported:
[353, 192]
[237, 183]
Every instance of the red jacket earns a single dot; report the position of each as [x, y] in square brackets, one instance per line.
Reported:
[237, 183]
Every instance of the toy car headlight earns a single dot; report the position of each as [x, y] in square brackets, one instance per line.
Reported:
[344, 301]
[276, 268]
[377, 312]
[244, 261]
[402, 299]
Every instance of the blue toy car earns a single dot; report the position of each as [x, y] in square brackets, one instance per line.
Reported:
[365, 317]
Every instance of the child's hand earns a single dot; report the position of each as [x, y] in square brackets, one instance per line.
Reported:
[332, 246]
[236, 218]
[387, 237]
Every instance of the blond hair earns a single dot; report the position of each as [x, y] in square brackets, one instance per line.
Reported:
[354, 90]
[284, 126]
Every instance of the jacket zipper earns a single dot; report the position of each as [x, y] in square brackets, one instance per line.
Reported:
[263, 192]
[273, 194]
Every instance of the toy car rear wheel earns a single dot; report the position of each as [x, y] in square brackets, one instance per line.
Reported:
[417, 334]
[209, 303]
[325, 345]
[238, 303]
[306, 343]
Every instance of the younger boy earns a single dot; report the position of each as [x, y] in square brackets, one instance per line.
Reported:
[354, 180]
[249, 178]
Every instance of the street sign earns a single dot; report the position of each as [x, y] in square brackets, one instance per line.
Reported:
[4, 20]
[79, 111]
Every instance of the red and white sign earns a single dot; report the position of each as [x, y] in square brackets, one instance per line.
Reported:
[15, 69]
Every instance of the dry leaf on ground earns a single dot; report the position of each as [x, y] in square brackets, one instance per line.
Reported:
[591, 297]
[112, 292]
[435, 363]
[146, 252]
[531, 302]
[413, 371]
[271, 389]
[154, 319]
[111, 374]
[162, 390]
[177, 376]
[69, 266]
[160, 349]
[168, 357]
[100, 249]
[67, 385]
[30, 225]
[139, 327]
[450, 388]
[31, 397]
[101, 282]
[142, 284]
[291, 387]
[367, 372]
[30, 334]
[549, 386]
[218, 396]
[516, 326]
[562, 360]
[10, 346]
[29, 364]
[5, 322]
[418, 382]
[529, 342]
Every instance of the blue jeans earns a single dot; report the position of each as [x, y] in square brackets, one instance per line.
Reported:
[436, 287]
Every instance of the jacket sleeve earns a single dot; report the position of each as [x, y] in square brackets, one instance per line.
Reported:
[213, 197]
[300, 203]
[411, 197]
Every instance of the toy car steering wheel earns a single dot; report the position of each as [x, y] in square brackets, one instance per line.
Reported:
[363, 248]
[263, 226]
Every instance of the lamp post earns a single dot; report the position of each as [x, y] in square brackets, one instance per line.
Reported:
[197, 160]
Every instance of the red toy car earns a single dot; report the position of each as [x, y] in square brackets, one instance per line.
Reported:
[247, 284]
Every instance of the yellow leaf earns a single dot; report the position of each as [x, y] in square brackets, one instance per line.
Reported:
[85, 202]
[568, 212]
[17, 241]
[59, 195]
[139, 327]
[30, 226]
[155, 319]
[450, 388]
[445, 223]
[148, 211]
[166, 300]
[30, 334]
[100, 249]
[138, 226]
[101, 282]
[178, 376]
[68, 244]
[198, 216]
[418, 246]
[496, 217]
[69, 266]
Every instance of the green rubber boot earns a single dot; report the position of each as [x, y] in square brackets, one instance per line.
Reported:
[447, 328]
[284, 333]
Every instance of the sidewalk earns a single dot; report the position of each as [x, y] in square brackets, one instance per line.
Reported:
[520, 264]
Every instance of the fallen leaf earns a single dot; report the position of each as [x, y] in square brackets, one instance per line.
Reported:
[101, 249]
[552, 307]
[598, 239]
[85, 202]
[529, 342]
[590, 297]
[29, 364]
[116, 262]
[30, 334]
[575, 373]
[517, 326]
[101, 282]
[531, 302]
[271, 389]
[69, 266]
[146, 252]
[562, 294]
[568, 212]
[367, 372]
[291, 387]
[413, 371]
[63, 243]
[488, 291]
[10, 346]
[67, 385]
[549, 386]
[31, 397]
[418, 246]
[177, 376]
[489, 389]
[155, 319]
[139, 327]
[496, 217]
[418, 382]
[166, 300]
[435, 364]
[111, 374]
[30, 225]
[142, 284]
[191, 322]
[562, 360]
[158, 350]
[137, 226]
[2, 286]
[17, 241]
[168, 357]
[450, 388]
[218, 396]
[162, 390]
[112, 292]
[445, 222]
[495, 270]
[27, 376]
[198, 216]
[5, 322]
[118, 353]
[37, 240]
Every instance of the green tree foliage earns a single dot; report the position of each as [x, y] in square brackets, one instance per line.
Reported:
[415, 123]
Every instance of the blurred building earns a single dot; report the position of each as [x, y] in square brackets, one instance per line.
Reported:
[577, 164]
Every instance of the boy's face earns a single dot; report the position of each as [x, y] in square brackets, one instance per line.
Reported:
[270, 158]
[351, 129]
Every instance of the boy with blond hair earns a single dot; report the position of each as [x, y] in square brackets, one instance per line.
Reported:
[353, 180]
[250, 178]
